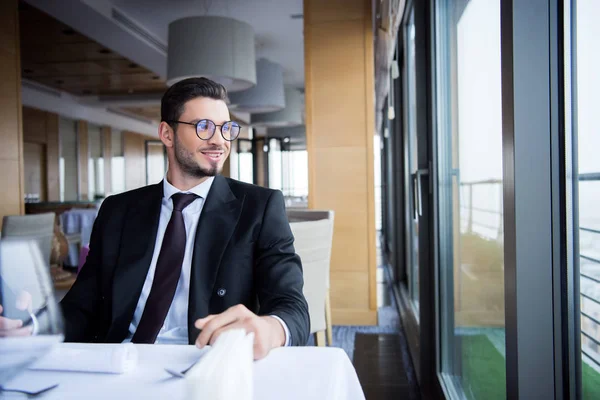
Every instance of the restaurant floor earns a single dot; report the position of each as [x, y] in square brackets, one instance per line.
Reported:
[380, 353]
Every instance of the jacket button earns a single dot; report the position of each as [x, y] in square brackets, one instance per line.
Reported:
[221, 292]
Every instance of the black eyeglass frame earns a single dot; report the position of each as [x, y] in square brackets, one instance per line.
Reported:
[212, 122]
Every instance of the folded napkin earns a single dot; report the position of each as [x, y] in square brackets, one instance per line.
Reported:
[226, 371]
[79, 357]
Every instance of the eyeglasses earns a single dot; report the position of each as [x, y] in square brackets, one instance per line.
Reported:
[205, 129]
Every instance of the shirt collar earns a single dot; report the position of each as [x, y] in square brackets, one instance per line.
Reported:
[199, 190]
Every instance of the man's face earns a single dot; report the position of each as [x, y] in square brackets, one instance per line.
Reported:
[196, 157]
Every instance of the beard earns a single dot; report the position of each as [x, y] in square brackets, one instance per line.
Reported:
[188, 164]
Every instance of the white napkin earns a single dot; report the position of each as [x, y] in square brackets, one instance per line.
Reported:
[108, 358]
[226, 372]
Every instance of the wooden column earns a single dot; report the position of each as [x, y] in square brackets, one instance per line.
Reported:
[340, 126]
[107, 156]
[83, 156]
[52, 157]
[135, 160]
[11, 136]
[41, 153]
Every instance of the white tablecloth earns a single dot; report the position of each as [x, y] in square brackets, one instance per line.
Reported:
[286, 373]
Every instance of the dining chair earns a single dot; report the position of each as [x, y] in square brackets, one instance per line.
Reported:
[313, 234]
[38, 227]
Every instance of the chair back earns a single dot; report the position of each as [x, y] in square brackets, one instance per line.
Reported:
[313, 234]
[37, 227]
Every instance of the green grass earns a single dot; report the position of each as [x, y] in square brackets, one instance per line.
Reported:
[484, 373]
[483, 369]
[590, 380]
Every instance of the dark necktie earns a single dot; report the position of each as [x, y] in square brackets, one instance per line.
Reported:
[166, 276]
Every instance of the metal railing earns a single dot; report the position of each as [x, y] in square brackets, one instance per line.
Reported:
[590, 337]
[591, 333]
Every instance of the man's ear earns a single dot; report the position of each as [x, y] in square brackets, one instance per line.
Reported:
[166, 134]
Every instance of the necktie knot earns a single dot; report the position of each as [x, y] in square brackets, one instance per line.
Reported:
[182, 200]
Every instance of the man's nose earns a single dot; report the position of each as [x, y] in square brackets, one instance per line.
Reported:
[217, 139]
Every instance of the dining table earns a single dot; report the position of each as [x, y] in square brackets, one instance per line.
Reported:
[295, 373]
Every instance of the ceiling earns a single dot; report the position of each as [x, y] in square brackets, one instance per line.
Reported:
[55, 55]
[111, 54]
[277, 24]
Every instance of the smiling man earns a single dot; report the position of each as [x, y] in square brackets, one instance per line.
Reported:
[197, 254]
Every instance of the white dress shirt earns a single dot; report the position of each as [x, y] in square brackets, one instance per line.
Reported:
[175, 327]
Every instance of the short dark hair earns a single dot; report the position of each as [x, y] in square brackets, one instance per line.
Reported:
[174, 99]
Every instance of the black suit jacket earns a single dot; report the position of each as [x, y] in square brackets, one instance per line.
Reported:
[243, 245]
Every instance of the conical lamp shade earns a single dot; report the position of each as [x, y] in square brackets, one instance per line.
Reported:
[291, 115]
[218, 48]
[267, 95]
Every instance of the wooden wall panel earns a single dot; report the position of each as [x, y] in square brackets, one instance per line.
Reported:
[34, 125]
[340, 127]
[11, 137]
[83, 157]
[334, 10]
[135, 160]
[226, 172]
[41, 128]
[34, 170]
[52, 157]
[107, 155]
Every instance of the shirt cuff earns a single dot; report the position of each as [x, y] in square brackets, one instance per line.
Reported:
[35, 325]
[286, 330]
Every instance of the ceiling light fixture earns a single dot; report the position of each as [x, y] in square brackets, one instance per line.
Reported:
[291, 115]
[218, 48]
[267, 95]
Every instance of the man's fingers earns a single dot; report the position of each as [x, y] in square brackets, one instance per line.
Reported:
[1, 309]
[24, 301]
[215, 323]
[16, 332]
[210, 325]
[238, 311]
[236, 325]
[8, 324]
[203, 321]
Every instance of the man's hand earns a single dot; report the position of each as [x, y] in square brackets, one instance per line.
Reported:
[268, 331]
[14, 327]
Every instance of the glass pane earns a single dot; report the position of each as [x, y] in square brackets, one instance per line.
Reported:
[95, 153]
[118, 174]
[68, 165]
[587, 87]
[295, 171]
[411, 113]
[470, 197]
[155, 162]
[245, 161]
[275, 164]
[117, 168]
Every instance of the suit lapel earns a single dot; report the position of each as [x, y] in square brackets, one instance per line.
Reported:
[218, 221]
[135, 254]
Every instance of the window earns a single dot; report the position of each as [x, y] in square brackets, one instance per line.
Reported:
[118, 162]
[245, 161]
[95, 163]
[412, 159]
[68, 165]
[471, 237]
[275, 164]
[156, 161]
[295, 174]
[586, 103]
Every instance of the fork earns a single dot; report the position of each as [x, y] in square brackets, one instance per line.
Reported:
[28, 393]
[181, 374]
